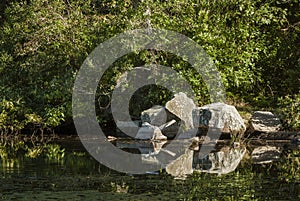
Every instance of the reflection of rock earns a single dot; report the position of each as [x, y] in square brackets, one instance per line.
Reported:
[158, 145]
[148, 131]
[265, 154]
[183, 161]
[262, 121]
[182, 107]
[222, 162]
[182, 166]
[155, 115]
[281, 135]
[219, 116]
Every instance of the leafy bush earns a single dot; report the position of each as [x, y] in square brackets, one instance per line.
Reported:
[11, 118]
[289, 108]
[43, 44]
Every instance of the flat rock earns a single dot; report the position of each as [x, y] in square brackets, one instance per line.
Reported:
[265, 122]
[182, 106]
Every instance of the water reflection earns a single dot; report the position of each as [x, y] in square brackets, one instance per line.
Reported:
[265, 154]
[222, 161]
[181, 163]
[71, 174]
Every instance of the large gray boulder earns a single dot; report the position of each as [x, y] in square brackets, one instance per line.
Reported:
[182, 106]
[220, 117]
[265, 122]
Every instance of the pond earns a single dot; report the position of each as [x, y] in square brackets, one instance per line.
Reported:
[63, 170]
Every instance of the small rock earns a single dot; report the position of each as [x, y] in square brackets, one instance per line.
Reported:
[263, 121]
[145, 132]
[236, 144]
[280, 135]
[111, 138]
[182, 106]
[168, 124]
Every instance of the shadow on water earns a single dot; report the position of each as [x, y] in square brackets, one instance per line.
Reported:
[64, 171]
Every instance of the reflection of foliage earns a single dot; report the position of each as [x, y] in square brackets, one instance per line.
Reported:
[277, 181]
[34, 152]
[248, 182]
[11, 163]
[79, 153]
[10, 149]
[54, 153]
[288, 167]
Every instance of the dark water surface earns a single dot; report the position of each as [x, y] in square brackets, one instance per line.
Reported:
[66, 172]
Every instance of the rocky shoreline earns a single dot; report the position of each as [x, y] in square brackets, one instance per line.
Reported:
[180, 118]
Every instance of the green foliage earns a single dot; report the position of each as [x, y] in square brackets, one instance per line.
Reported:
[43, 44]
[11, 119]
[289, 108]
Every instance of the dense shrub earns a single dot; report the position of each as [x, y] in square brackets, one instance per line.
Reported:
[43, 43]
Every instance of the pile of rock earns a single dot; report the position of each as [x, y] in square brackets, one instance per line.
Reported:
[181, 118]
[161, 123]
